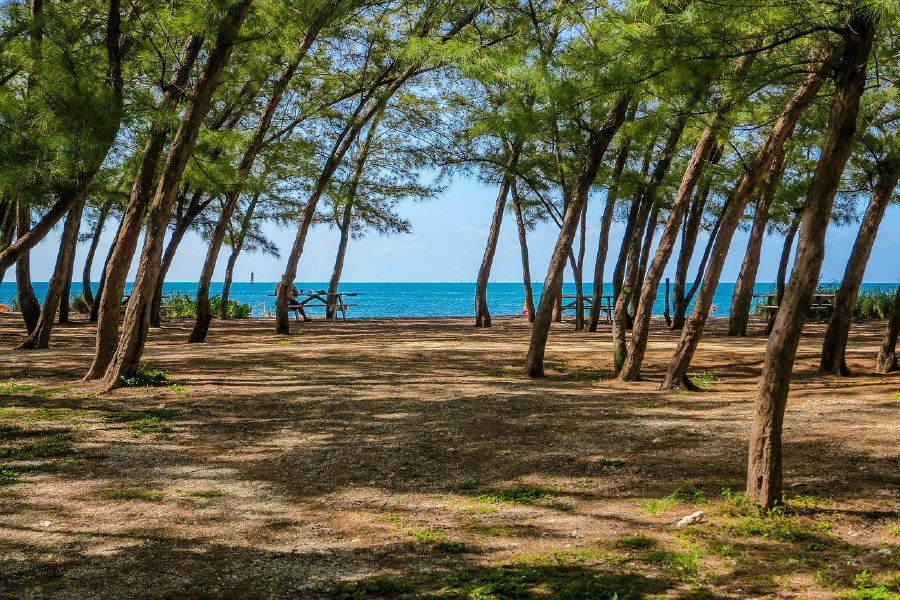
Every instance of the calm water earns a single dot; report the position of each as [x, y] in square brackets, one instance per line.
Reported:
[410, 299]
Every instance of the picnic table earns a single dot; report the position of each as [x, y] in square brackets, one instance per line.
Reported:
[570, 302]
[333, 303]
[820, 304]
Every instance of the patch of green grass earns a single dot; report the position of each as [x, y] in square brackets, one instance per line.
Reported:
[57, 446]
[155, 421]
[381, 587]
[520, 494]
[684, 565]
[176, 387]
[654, 506]
[610, 462]
[468, 485]
[147, 495]
[896, 396]
[502, 530]
[865, 587]
[636, 542]
[13, 387]
[454, 547]
[282, 342]
[390, 518]
[147, 377]
[203, 493]
[894, 530]
[9, 476]
[427, 536]
[704, 380]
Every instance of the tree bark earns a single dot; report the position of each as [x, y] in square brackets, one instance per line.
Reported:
[482, 313]
[681, 297]
[204, 314]
[523, 245]
[598, 142]
[834, 347]
[92, 250]
[764, 475]
[40, 337]
[618, 278]
[95, 307]
[746, 281]
[236, 248]
[578, 271]
[127, 355]
[887, 355]
[123, 249]
[621, 321]
[28, 302]
[781, 277]
[612, 195]
[65, 297]
[676, 375]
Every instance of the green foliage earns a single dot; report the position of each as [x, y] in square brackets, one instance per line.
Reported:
[874, 304]
[184, 305]
[636, 542]
[154, 421]
[147, 377]
[866, 588]
[610, 462]
[520, 494]
[80, 304]
[203, 493]
[704, 380]
[382, 587]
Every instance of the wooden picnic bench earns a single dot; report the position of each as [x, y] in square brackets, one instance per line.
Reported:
[334, 303]
[820, 305]
[570, 302]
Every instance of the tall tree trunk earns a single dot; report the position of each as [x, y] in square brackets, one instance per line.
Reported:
[123, 249]
[781, 277]
[605, 225]
[523, 245]
[95, 307]
[92, 250]
[887, 355]
[676, 376]
[578, 271]
[681, 298]
[482, 313]
[641, 327]
[339, 257]
[834, 348]
[630, 225]
[743, 289]
[236, 248]
[65, 298]
[28, 302]
[764, 476]
[7, 226]
[621, 321]
[204, 314]
[127, 354]
[40, 337]
[652, 225]
[598, 142]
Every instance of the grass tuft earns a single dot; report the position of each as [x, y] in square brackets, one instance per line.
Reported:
[520, 494]
[146, 495]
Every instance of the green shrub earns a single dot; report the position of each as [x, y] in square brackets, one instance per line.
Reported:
[146, 377]
[79, 304]
[183, 305]
[874, 304]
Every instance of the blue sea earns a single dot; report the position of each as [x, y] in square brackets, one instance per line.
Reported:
[408, 299]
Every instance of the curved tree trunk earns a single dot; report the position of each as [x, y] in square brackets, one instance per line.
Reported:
[236, 250]
[123, 249]
[621, 318]
[92, 250]
[578, 272]
[834, 348]
[618, 278]
[40, 337]
[887, 355]
[523, 245]
[339, 258]
[652, 226]
[95, 307]
[781, 277]
[65, 297]
[482, 313]
[7, 226]
[641, 327]
[28, 302]
[136, 324]
[598, 142]
[676, 376]
[612, 195]
[764, 476]
[743, 289]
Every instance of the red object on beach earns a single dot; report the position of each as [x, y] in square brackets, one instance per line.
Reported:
[4, 308]
[525, 308]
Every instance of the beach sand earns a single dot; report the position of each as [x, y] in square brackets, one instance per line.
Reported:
[390, 457]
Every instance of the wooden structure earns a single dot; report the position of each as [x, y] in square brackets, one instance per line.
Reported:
[332, 303]
[821, 304]
[570, 302]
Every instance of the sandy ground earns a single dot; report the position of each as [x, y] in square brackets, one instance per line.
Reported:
[411, 458]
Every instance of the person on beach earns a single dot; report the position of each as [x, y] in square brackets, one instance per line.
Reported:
[293, 303]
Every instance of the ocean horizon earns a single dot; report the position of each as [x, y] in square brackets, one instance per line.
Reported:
[408, 299]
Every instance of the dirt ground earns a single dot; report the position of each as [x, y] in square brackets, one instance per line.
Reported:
[402, 458]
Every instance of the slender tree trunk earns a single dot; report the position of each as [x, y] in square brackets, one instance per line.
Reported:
[598, 142]
[690, 232]
[781, 277]
[95, 307]
[339, 258]
[137, 316]
[123, 249]
[648, 206]
[834, 348]
[28, 302]
[743, 289]
[482, 313]
[887, 355]
[523, 244]
[605, 226]
[92, 250]
[676, 375]
[641, 326]
[764, 476]
[630, 225]
[236, 249]
[40, 337]
[65, 298]
[7, 226]
[578, 272]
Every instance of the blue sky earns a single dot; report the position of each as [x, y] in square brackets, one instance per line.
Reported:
[447, 244]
